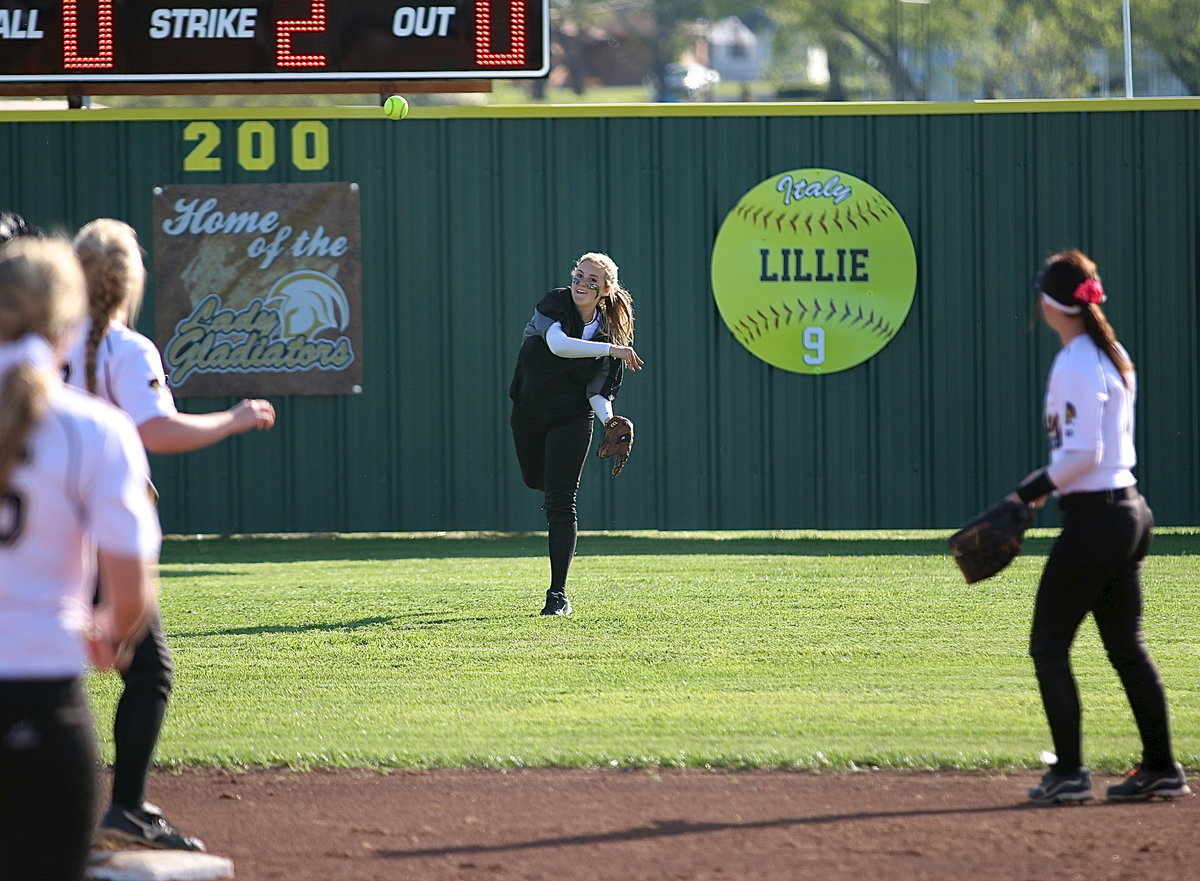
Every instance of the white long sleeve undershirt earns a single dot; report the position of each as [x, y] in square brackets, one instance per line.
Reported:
[570, 347]
[602, 407]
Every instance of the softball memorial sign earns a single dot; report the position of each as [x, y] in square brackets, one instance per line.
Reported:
[257, 289]
[813, 271]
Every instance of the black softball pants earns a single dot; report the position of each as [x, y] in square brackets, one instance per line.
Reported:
[1095, 566]
[47, 780]
[141, 711]
[551, 455]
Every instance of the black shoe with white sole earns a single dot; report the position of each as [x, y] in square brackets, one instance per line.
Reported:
[556, 603]
[1057, 788]
[145, 827]
[1142, 785]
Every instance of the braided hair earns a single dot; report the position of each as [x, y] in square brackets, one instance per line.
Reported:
[111, 258]
[617, 303]
[13, 226]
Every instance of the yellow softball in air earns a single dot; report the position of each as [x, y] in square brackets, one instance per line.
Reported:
[395, 107]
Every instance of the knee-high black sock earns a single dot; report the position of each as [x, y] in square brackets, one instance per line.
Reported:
[1060, 699]
[562, 551]
[139, 720]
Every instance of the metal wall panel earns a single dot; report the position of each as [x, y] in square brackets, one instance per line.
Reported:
[469, 215]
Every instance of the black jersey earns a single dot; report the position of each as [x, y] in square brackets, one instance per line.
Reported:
[553, 387]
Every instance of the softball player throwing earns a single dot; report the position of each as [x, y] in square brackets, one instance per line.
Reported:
[1095, 564]
[572, 357]
[74, 496]
[120, 365]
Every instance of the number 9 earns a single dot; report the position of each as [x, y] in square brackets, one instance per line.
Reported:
[814, 342]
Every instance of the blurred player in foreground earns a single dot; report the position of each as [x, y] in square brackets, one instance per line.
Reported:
[1095, 564]
[572, 358]
[74, 496]
[117, 363]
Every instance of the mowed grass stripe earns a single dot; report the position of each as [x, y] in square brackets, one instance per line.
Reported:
[793, 650]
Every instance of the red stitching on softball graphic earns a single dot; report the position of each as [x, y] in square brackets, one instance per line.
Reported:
[858, 214]
[755, 325]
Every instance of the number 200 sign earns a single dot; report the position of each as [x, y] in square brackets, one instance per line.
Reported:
[152, 41]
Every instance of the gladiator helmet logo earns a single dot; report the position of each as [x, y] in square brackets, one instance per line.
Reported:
[309, 302]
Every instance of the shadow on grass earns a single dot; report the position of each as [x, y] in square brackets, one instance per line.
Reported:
[288, 549]
[409, 622]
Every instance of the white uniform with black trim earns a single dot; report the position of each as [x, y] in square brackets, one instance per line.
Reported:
[82, 487]
[1089, 418]
[129, 372]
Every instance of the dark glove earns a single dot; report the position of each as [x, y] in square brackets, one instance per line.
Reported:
[618, 441]
[988, 543]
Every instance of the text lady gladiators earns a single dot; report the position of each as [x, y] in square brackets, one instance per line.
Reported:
[256, 335]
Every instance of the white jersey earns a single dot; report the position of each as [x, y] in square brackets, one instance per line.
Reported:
[129, 372]
[82, 487]
[1089, 408]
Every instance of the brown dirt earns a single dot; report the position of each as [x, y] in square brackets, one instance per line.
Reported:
[670, 825]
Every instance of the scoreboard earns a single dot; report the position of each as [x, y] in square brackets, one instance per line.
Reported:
[132, 41]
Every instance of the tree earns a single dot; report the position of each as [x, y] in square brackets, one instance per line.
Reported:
[1004, 48]
[1172, 29]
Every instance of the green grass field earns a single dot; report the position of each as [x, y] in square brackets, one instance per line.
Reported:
[774, 650]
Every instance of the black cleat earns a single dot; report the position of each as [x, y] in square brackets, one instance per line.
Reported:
[1058, 789]
[146, 827]
[1143, 785]
[556, 603]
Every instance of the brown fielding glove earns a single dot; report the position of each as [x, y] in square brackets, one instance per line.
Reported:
[988, 543]
[618, 441]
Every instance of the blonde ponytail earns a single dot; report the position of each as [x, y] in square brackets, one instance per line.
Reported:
[22, 403]
[41, 293]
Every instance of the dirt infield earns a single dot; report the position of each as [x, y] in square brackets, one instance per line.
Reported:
[669, 825]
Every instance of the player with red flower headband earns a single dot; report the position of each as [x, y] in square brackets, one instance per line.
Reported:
[1095, 564]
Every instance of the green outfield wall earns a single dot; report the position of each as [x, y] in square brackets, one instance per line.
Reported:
[469, 214]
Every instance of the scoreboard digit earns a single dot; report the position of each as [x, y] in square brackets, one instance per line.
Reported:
[97, 41]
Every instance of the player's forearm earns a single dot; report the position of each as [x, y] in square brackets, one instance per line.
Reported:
[1072, 465]
[129, 592]
[184, 432]
[602, 407]
[570, 347]
[1069, 467]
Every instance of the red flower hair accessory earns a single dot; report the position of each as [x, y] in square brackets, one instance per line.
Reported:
[1090, 291]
